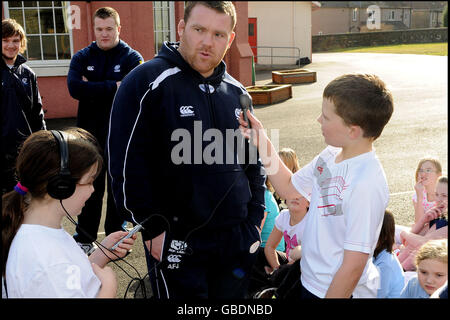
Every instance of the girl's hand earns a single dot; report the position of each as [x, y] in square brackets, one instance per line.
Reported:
[108, 279]
[105, 274]
[295, 253]
[419, 186]
[433, 213]
[123, 248]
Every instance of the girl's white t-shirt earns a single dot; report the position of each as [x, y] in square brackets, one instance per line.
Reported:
[45, 262]
[348, 201]
[292, 235]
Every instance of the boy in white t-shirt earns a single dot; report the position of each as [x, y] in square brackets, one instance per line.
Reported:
[348, 188]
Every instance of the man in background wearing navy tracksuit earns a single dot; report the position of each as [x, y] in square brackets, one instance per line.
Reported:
[21, 110]
[173, 164]
[95, 74]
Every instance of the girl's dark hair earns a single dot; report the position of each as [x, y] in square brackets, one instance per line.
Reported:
[386, 239]
[37, 162]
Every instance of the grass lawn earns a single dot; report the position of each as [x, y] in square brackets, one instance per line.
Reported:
[436, 49]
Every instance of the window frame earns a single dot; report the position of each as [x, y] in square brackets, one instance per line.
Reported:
[391, 15]
[171, 29]
[354, 14]
[47, 68]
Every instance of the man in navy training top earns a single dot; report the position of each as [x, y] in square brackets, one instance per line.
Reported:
[173, 166]
[94, 76]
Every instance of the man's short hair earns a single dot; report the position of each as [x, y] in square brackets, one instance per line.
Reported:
[107, 12]
[362, 100]
[226, 7]
[11, 28]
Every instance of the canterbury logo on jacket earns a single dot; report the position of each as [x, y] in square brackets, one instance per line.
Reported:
[153, 101]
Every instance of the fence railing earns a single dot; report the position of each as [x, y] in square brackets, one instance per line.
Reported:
[271, 55]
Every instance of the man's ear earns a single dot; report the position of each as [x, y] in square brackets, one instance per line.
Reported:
[232, 35]
[118, 29]
[180, 27]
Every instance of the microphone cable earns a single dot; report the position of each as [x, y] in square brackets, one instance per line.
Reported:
[100, 246]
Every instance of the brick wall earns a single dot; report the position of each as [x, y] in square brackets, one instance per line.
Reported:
[328, 42]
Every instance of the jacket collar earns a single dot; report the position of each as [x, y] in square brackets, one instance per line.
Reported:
[169, 51]
[119, 45]
[19, 60]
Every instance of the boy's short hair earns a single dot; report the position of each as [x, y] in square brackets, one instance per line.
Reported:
[226, 7]
[10, 28]
[433, 249]
[362, 100]
[107, 12]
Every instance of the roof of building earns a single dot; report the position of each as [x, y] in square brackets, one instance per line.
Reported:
[435, 5]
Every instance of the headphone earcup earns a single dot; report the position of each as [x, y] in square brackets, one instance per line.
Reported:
[61, 187]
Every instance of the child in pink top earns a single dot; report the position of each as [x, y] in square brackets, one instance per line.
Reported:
[427, 173]
[432, 225]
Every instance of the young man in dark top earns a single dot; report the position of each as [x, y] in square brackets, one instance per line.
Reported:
[94, 76]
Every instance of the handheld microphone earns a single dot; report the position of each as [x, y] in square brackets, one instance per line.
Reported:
[246, 104]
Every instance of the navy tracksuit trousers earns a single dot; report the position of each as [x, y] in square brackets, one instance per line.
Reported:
[208, 264]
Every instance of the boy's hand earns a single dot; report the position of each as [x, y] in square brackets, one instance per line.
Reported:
[254, 133]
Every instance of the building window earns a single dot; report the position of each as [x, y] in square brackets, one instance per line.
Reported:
[354, 14]
[164, 22]
[392, 15]
[46, 26]
[251, 29]
[371, 16]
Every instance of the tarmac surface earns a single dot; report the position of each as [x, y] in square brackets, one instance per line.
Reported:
[417, 128]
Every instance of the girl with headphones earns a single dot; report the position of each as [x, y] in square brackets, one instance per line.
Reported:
[39, 258]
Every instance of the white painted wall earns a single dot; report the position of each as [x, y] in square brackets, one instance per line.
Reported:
[282, 24]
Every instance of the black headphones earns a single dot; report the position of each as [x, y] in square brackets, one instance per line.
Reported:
[61, 186]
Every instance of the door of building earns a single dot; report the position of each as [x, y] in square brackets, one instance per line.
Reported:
[252, 39]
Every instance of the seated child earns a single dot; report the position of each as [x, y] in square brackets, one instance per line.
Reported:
[284, 268]
[432, 225]
[289, 226]
[432, 270]
[392, 278]
[290, 159]
[428, 171]
[270, 214]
